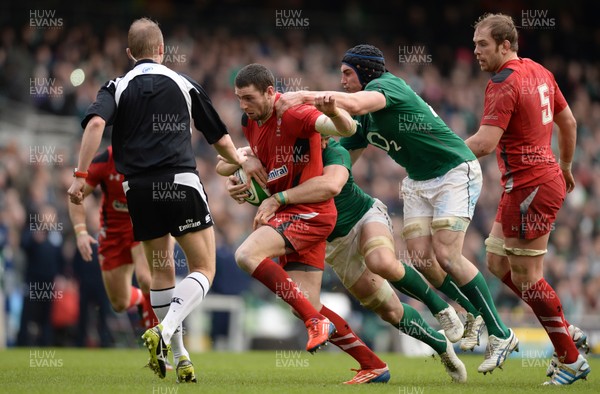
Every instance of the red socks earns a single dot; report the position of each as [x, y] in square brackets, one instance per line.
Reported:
[350, 343]
[136, 297]
[544, 302]
[278, 281]
[148, 316]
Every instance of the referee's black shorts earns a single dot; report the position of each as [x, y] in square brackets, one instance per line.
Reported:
[167, 204]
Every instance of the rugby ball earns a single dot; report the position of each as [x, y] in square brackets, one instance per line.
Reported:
[256, 193]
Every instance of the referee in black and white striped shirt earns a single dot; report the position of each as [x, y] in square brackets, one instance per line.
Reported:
[152, 110]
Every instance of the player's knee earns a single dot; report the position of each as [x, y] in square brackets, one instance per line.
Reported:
[524, 276]
[242, 258]
[390, 310]
[495, 264]
[380, 256]
[390, 316]
[119, 304]
[446, 256]
[383, 263]
[376, 302]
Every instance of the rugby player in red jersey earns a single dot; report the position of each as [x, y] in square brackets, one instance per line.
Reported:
[289, 149]
[522, 103]
[118, 253]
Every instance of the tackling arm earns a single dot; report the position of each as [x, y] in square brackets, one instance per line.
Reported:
[341, 125]
[319, 188]
[316, 189]
[358, 103]
[485, 140]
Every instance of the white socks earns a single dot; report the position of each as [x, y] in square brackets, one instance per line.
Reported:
[161, 301]
[187, 295]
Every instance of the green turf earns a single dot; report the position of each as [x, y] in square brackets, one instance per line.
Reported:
[78, 371]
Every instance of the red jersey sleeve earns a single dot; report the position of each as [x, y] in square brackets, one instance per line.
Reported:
[302, 120]
[560, 102]
[500, 102]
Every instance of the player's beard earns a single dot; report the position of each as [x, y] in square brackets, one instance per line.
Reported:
[494, 62]
[265, 112]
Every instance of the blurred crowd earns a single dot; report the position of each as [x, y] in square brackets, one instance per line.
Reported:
[36, 237]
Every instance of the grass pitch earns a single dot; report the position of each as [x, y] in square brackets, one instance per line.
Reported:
[62, 370]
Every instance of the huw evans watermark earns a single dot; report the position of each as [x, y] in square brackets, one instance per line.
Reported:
[40, 87]
[45, 154]
[44, 359]
[537, 19]
[45, 19]
[291, 19]
[414, 54]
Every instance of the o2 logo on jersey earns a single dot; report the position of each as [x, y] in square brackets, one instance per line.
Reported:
[379, 141]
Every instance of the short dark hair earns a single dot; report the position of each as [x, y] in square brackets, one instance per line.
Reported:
[255, 74]
[502, 27]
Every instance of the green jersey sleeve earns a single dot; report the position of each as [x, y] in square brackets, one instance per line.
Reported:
[358, 140]
[352, 202]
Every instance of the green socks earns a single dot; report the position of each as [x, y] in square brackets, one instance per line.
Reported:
[478, 293]
[413, 285]
[452, 291]
[413, 324]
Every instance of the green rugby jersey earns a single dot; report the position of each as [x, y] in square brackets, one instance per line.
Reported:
[352, 202]
[410, 131]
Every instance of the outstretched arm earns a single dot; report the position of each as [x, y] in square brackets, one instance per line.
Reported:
[334, 121]
[358, 103]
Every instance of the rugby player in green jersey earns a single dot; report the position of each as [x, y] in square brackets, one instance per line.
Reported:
[440, 192]
[360, 249]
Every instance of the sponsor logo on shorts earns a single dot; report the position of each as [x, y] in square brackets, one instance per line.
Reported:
[190, 223]
[176, 300]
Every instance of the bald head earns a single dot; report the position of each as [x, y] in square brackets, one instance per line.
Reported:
[145, 39]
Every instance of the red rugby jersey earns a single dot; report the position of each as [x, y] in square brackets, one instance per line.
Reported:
[114, 215]
[289, 148]
[522, 99]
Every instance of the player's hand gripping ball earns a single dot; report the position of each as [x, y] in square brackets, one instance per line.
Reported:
[256, 193]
